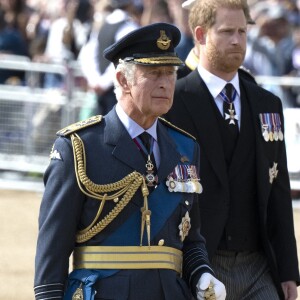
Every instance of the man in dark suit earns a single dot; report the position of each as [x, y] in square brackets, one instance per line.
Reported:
[125, 207]
[246, 208]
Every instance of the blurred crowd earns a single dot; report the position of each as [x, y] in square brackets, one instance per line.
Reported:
[60, 31]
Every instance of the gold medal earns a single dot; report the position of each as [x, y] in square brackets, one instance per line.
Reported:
[271, 136]
[198, 187]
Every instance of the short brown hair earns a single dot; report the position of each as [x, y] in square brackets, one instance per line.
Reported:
[203, 12]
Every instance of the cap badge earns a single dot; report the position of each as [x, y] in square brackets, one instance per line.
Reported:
[163, 42]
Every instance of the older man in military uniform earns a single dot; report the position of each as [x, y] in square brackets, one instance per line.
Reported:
[124, 204]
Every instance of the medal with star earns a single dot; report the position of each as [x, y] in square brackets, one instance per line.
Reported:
[231, 116]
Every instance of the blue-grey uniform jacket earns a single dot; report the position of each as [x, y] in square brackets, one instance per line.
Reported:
[110, 155]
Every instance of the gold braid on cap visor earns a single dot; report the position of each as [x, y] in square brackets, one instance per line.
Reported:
[157, 60]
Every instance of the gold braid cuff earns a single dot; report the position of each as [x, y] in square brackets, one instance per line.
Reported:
[125, 188]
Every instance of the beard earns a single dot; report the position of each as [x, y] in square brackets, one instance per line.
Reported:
[225, 61]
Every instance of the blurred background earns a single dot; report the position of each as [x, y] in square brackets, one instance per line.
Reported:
[52, 74]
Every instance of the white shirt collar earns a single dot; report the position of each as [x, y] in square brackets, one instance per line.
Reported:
[216, 84]
[132, 127]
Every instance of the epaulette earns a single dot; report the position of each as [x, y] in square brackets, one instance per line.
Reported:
[247, 74]
[169, 124]
[192, 60]
[79, 125]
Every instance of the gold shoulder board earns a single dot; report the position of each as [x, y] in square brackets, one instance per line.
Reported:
[169, 124]
[79, 125]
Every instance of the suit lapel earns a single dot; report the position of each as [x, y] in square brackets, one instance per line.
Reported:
[125, 149]
[256, 107]
[242, 149]
[199, 102]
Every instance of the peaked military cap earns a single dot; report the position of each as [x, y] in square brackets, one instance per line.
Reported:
[149, 45]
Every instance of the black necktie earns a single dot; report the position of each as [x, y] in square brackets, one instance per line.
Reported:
[146, 138]
[148, 141]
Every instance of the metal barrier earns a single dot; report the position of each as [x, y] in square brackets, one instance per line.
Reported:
[31, 113]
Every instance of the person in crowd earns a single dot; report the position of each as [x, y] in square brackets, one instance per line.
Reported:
[156, 11]
[180, 18]
[67, 34]
[11, 43]
[17, 14]
[121, 191]
[270, 46]
[246, 208]
[97, 70]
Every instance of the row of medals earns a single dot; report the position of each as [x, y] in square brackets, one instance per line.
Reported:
[269, 135]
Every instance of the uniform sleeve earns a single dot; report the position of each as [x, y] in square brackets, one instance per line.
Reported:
[195, 257]
[58, 220]
[280, 216]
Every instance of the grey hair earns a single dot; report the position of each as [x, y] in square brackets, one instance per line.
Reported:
[128, 69]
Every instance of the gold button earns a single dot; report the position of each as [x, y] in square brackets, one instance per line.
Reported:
[116, 200]
[161, 242]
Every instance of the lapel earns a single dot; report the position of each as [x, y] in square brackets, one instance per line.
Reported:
[125, 150]
[242, 149]
[256, 104]
[199, 103]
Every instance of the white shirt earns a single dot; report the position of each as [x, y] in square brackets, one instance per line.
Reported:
[216, 84]
[135, 130]
[56, 50]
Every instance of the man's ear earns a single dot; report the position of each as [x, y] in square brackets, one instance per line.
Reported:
[123, 82]
[200, 35]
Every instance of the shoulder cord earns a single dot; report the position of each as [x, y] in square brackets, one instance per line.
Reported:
[126, 187]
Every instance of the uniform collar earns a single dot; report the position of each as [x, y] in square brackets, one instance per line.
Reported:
[132, 127]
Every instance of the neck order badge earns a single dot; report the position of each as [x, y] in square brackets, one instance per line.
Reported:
[228, 106]
[145, 143]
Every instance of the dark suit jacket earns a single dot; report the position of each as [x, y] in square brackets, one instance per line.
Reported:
[111, 155]
[193, 112]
